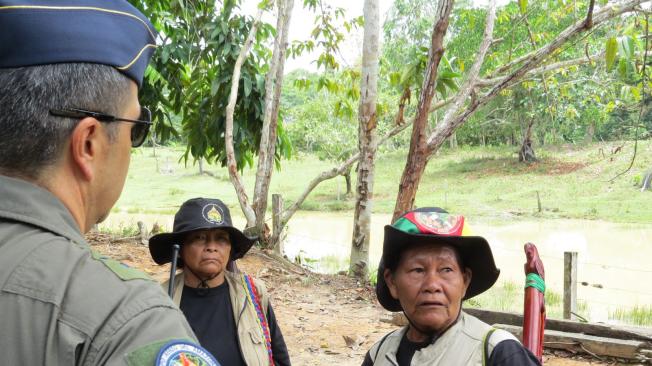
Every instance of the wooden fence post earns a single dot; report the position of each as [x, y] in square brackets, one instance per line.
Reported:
[570, 284]
[277, 213]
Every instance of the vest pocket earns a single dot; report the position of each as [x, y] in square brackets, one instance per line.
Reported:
[256, 335]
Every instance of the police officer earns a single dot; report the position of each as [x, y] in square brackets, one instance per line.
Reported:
[69, 116]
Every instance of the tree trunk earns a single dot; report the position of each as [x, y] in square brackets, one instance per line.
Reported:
[153, 138]
[590, 133]
[416, 160]
[453, 140]
[201, 166]
[267, 149]
[526, 152]
[367, 141]
[347, 178]
[647, 181]
[277, 224]
[231, 163]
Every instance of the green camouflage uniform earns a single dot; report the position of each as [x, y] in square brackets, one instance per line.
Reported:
[63, 304]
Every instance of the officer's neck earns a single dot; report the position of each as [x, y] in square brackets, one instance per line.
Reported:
[64, 185]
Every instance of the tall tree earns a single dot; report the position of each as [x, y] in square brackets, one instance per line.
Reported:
[512, 72]
[415, 163]
[367, 140]
[273, 86]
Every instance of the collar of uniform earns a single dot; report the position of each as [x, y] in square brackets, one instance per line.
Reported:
[26, 202]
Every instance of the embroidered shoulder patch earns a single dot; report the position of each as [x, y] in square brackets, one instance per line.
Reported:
[123, 271]
[184, 353]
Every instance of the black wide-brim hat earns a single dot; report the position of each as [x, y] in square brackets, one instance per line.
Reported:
[199, 214]
[433, 225]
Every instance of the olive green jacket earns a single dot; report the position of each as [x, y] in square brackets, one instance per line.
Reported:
[63, 304]
[461, 344]
[250, 334]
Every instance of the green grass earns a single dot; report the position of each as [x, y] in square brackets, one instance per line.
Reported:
[123, 230]
[509, 296]
[638, 315]
[572, 182]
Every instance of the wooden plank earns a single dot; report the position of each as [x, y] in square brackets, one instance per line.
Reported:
[570, 284]
[600, 330]
[583, 343]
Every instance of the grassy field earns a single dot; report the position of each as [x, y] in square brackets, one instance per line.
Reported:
[571, 181]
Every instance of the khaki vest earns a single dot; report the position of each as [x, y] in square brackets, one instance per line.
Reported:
[250, 335]
[462, 344]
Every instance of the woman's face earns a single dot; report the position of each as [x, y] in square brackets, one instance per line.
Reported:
[430, 285]
[206, 252]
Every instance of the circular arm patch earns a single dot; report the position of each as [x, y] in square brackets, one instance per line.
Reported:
[185, 354]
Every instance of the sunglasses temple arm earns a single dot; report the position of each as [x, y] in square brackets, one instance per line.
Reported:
[173, 270]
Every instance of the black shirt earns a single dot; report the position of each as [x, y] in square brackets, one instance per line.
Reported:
[209, 313]
[506, 353]
[407, 348]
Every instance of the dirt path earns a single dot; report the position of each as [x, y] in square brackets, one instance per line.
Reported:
[325, 319]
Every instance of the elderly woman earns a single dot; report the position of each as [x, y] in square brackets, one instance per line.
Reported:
[428, 267]
[229, 312]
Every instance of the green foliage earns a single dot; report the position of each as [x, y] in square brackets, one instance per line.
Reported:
[522, 4]
[573, 104]
[405, 55]
[320, 123]
[327, 33]
[190, 77]
[610, 53]
[407, 28]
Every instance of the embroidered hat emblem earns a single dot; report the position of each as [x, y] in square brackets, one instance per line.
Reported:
[439, 223]
[212, 214]
[184, 353]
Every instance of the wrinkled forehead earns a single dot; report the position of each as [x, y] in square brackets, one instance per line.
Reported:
[438, 252]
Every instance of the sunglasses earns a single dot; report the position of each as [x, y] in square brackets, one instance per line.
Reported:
[138, 132]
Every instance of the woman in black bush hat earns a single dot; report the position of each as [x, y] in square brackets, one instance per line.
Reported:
[227, 311]
[430, 264]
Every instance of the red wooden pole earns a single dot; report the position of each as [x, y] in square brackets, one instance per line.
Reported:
[534, 311]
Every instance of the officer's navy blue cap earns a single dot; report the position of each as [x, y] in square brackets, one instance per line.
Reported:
[109, 32]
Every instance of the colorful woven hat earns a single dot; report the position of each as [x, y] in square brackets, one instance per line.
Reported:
[433, 225]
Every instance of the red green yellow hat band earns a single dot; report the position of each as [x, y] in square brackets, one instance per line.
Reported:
[432, 222]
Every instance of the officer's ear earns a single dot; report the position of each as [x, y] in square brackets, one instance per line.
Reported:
[85, 142]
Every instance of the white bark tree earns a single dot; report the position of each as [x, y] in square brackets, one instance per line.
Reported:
[231, 162]
[255, 213]
[367, 141]
[273, 86]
